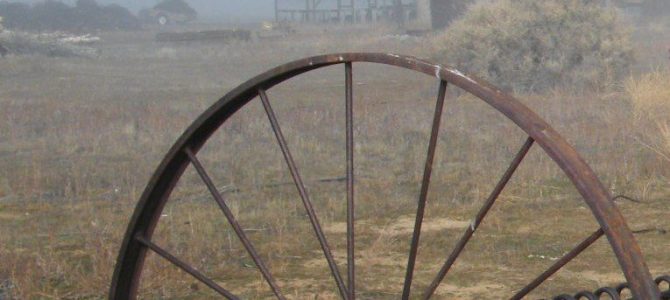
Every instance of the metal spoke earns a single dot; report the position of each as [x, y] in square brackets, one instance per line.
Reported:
[233, 222]
[427, 171]
[350, 180]
[559, 264]
[184, 266]
[478, 219]
[303, 194]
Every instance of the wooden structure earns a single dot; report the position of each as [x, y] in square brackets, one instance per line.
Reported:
[350, 11]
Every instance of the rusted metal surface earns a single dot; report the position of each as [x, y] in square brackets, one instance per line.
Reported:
[137, 240]
[616, 293]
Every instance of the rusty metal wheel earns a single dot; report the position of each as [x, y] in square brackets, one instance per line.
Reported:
[138, 238]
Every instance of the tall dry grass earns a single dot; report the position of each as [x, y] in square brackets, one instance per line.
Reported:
[650, 99]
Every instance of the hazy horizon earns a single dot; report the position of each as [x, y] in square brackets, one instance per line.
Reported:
[208, 10]
[225, 11]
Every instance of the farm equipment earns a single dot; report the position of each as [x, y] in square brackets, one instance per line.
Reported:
[615, 292]
[184, 153]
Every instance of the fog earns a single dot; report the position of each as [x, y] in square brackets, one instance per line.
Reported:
[228, 11]
[208, 10]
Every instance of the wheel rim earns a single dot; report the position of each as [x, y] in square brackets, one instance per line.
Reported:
[138, 235]
[162, 20]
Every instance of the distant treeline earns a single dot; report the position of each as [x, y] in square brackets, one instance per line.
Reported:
[52, 15]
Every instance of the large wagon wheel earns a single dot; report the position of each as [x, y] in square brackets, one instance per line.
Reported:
[137, 240]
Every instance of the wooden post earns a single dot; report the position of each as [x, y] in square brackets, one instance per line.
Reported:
[276, 11]
[398, 13]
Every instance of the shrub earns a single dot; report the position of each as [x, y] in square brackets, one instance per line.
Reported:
[445, 12]
[532, 45]
[650, 98]
[176, 6]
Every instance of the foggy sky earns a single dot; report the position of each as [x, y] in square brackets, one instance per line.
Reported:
[238, 11]
[217, 10]
[208, 10]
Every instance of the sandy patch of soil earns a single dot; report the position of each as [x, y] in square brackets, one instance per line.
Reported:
[402, 225]
[602, 279]
[405, 225]
[470, 292]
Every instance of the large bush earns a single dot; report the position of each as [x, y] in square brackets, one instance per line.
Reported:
[533, 45]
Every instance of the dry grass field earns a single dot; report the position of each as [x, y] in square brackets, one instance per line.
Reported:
[80, 137]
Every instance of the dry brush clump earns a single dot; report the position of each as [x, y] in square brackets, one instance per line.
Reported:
[536, 45]
[649, 95]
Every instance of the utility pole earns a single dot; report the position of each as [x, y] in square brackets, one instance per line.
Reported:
[353, 12]
[314, 5]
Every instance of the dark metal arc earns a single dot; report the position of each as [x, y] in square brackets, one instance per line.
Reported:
[132, 253]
